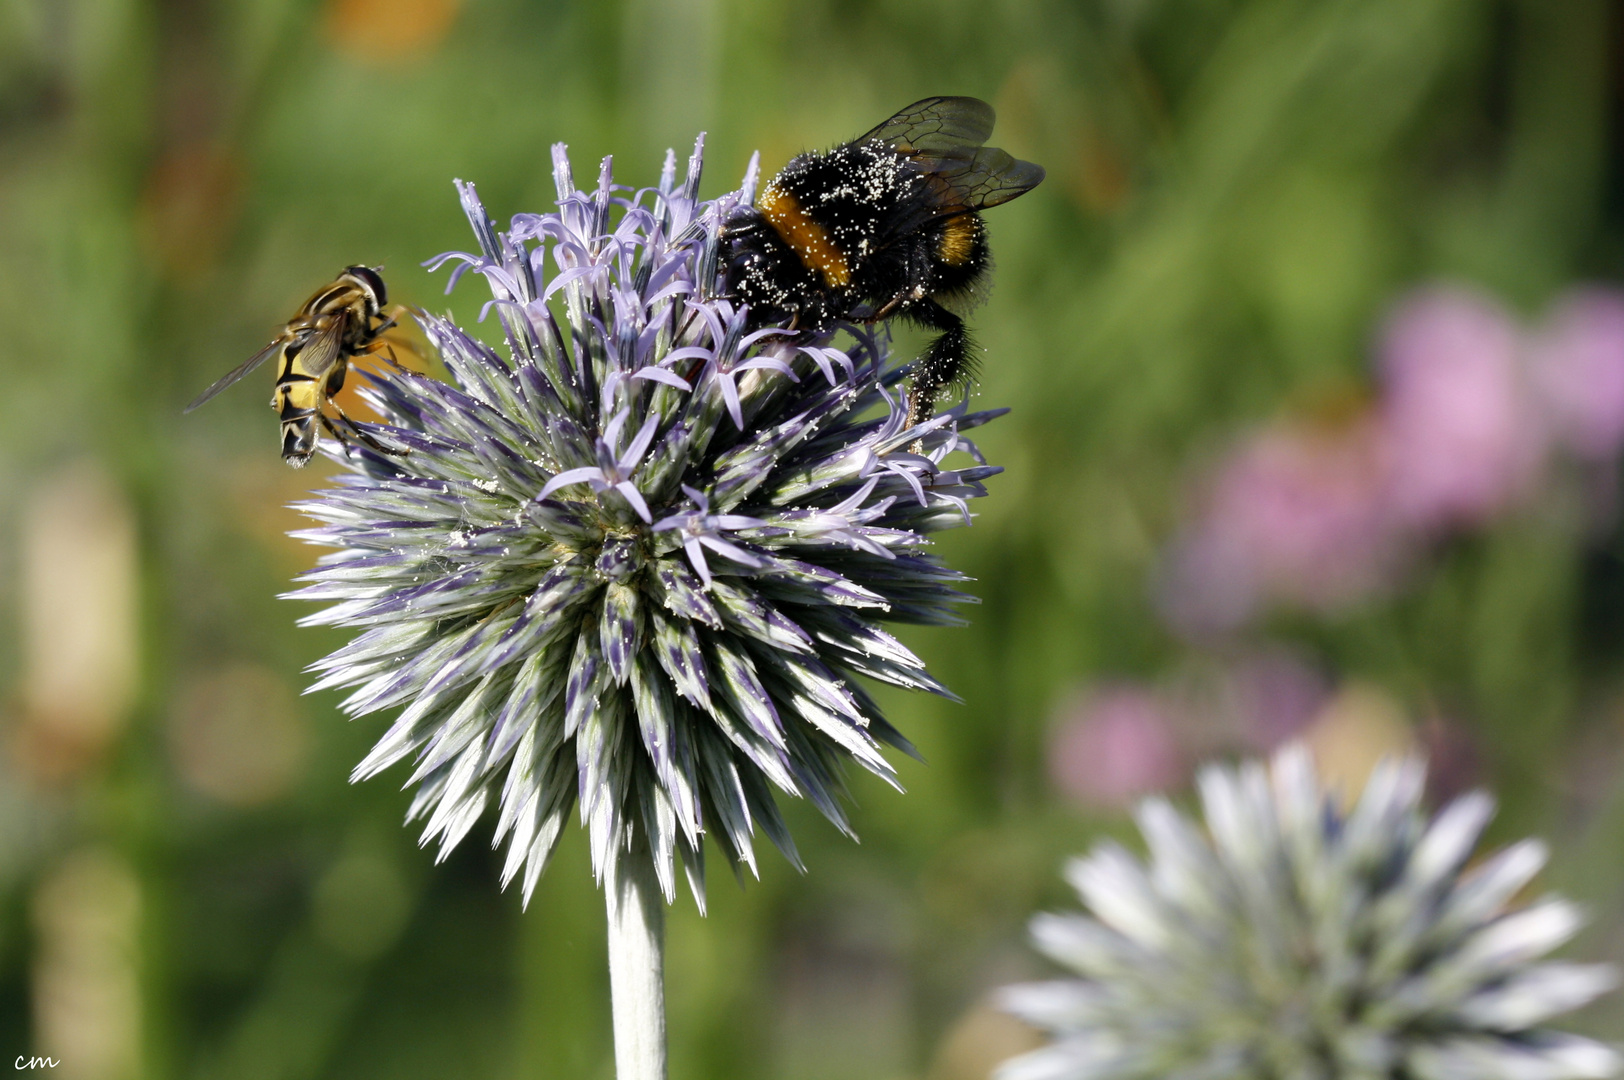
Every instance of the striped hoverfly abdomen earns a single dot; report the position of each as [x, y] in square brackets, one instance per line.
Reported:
[343, 319]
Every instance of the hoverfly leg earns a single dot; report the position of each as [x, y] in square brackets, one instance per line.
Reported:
[332, 429]
[387, 351]
[362, 437]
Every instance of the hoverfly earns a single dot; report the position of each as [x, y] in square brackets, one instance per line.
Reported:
[887, 224]
[341, 320]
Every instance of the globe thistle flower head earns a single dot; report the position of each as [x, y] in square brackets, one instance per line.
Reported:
[1291, 938]
[639, 560]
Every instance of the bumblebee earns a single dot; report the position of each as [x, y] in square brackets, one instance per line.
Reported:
[341, 320]
[887, 224]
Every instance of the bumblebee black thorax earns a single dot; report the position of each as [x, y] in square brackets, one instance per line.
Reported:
[885, 226]
[811, 245]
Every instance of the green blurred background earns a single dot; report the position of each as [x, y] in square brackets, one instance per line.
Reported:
[1239, 192]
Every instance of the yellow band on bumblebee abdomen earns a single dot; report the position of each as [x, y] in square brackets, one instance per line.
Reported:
[806, 237]
[958, 240]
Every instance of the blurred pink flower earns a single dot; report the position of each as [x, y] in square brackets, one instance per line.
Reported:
[1275, 693]
[1577, 369]
[1112, 745]
[1463, 435]
[1296, 514]
[1470, 406]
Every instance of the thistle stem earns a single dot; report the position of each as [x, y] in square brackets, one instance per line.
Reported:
[637, 967]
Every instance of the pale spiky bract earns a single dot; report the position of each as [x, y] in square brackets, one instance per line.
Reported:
[640, 560]
[1291, 939]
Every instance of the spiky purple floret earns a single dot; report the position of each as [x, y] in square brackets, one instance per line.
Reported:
[638, 561]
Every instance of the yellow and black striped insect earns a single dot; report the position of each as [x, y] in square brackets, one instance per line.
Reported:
[342, 319]
[887, 224]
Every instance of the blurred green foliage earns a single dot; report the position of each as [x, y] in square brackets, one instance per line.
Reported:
[1237, 190]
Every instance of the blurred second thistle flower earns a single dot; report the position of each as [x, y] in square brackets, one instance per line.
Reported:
[640, 560]
[1290, 938]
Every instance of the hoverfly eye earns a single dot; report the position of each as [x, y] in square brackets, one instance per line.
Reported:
[377, 293]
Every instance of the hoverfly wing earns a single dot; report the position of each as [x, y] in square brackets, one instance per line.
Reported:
[989, 177]
[321, 352]
[936, 125]
[238, 372]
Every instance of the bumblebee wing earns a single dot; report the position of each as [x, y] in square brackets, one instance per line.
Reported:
[987, 177]
[238, 372]
[936, 125]
[944, 137]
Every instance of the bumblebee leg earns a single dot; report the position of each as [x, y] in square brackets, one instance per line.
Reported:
[687, 321]
[888, 309]
[945, 361]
